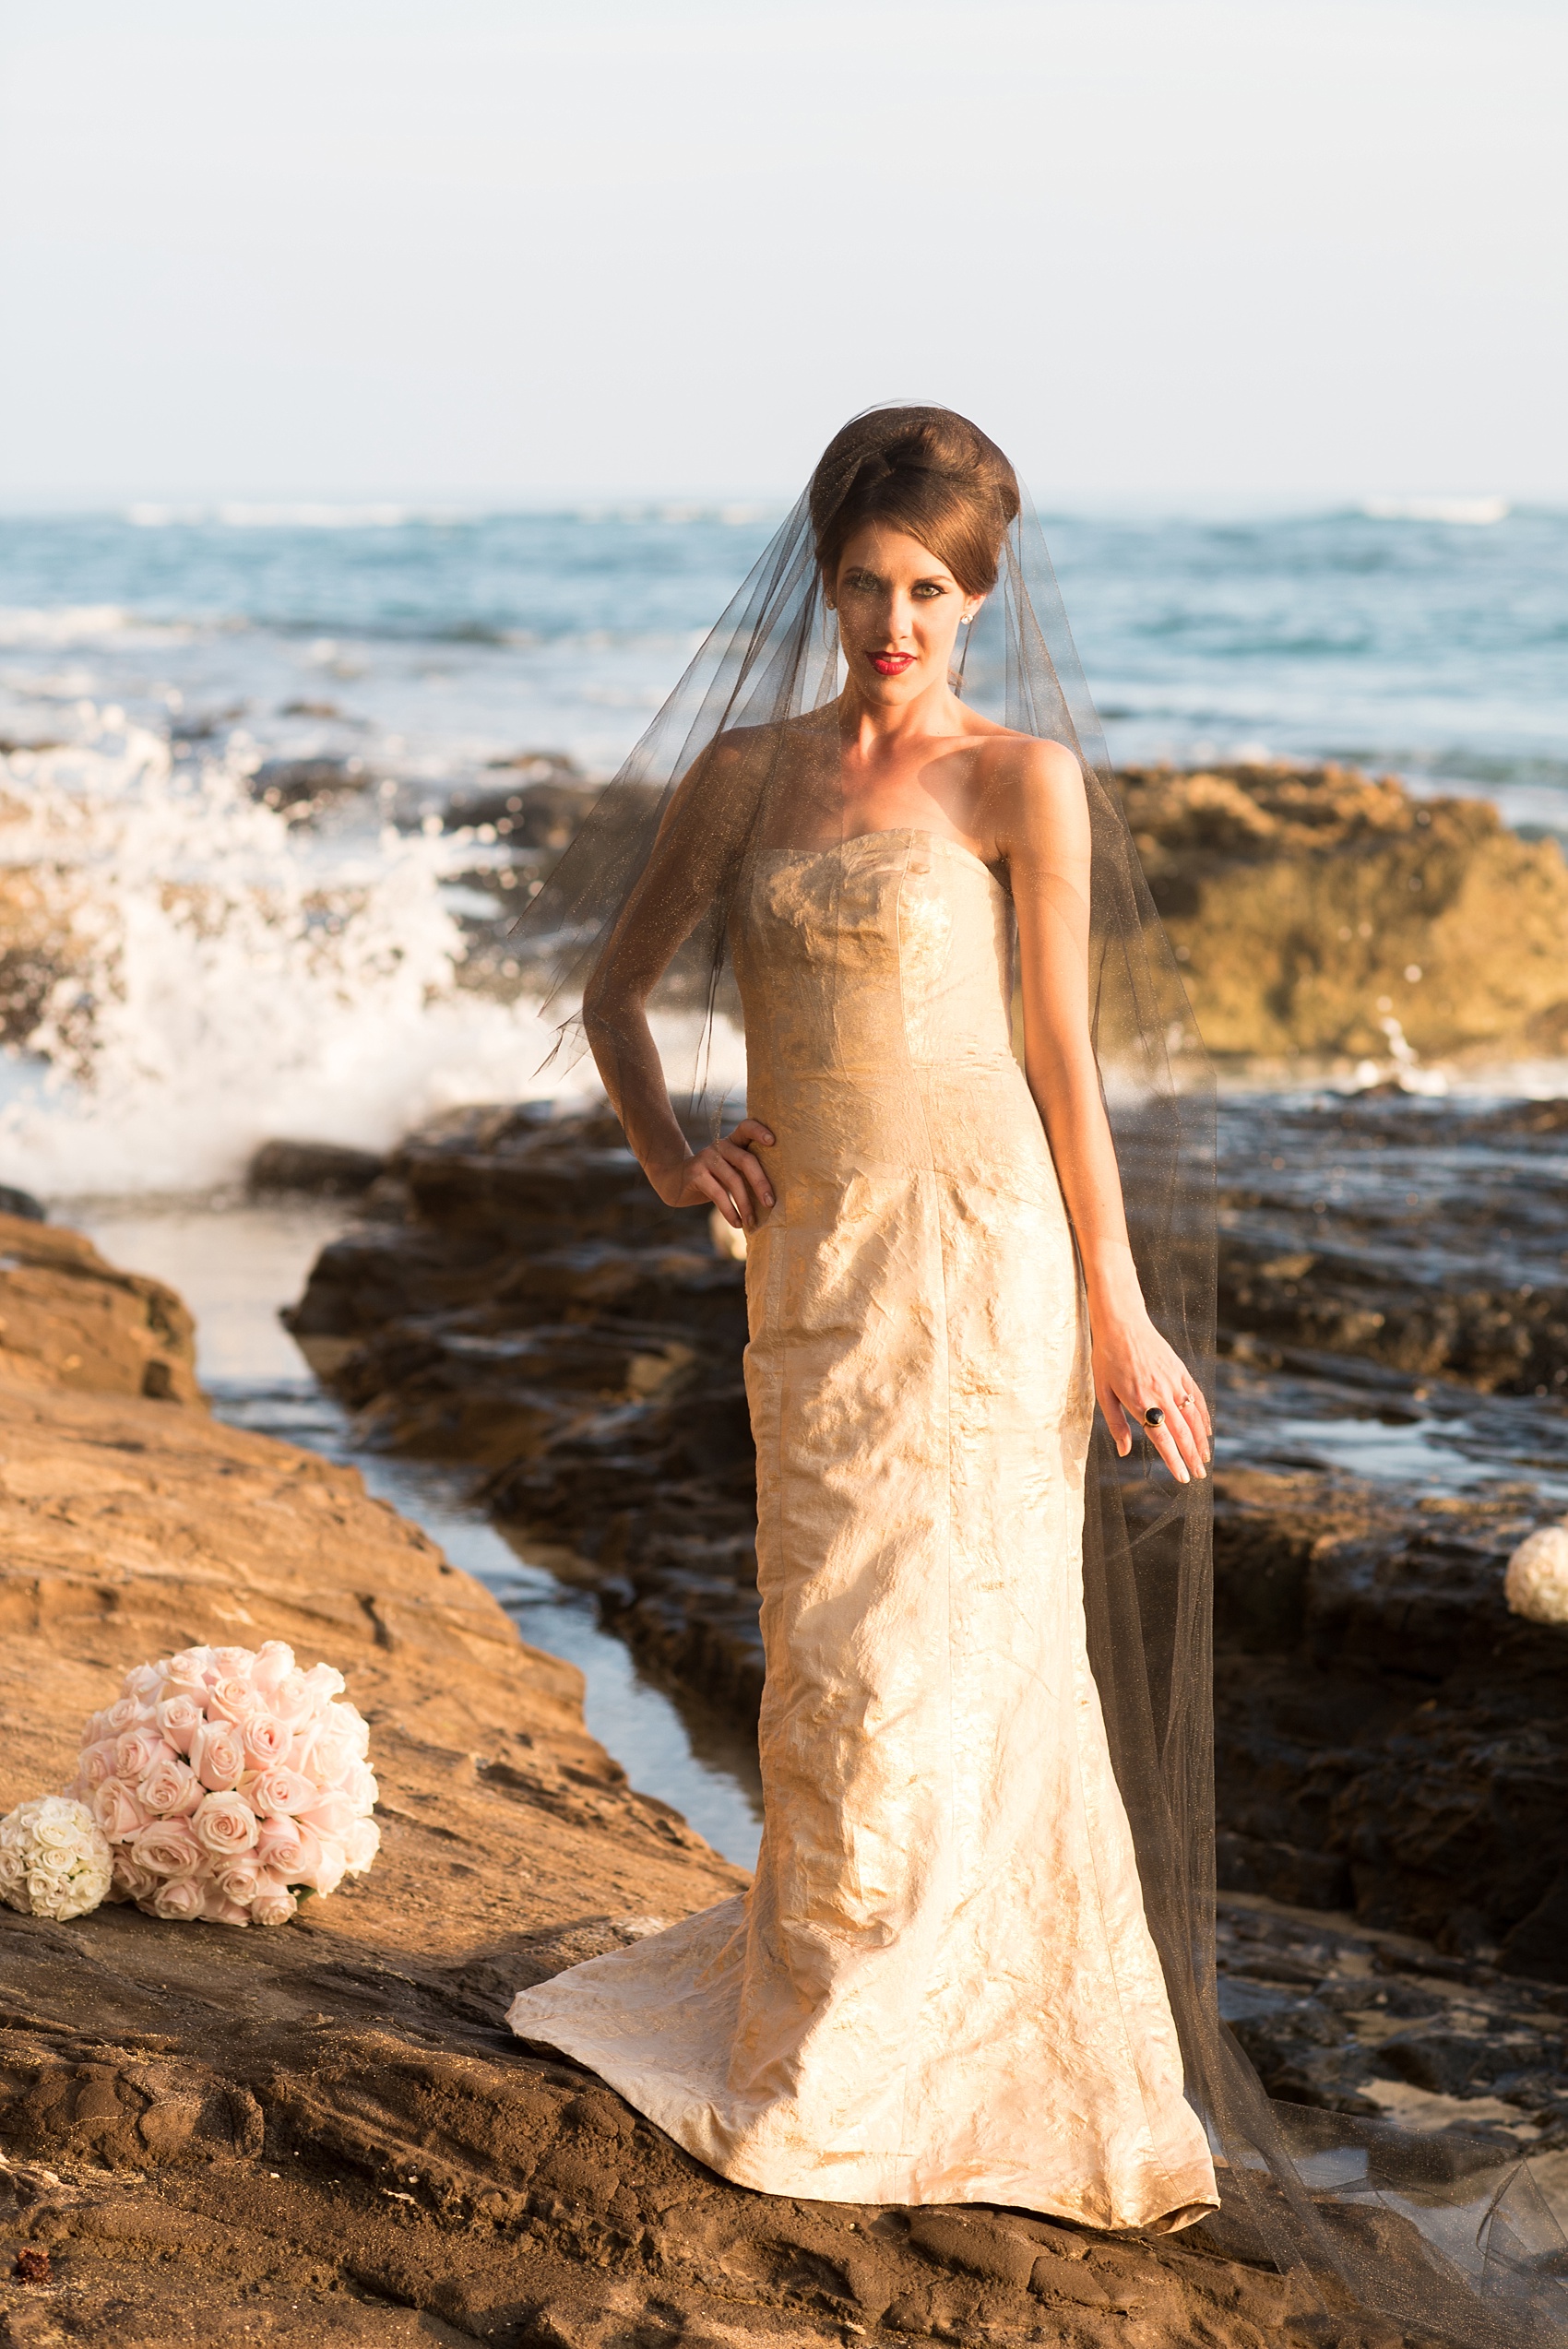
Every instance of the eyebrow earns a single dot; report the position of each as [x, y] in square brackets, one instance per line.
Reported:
[925, 579]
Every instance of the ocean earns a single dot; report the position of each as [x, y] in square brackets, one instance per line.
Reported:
[186, 971]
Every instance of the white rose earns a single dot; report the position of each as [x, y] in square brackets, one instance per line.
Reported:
[54, 1858]
[56, 1825]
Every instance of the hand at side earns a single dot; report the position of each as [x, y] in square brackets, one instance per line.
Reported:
[724, 1174]
[1134, 1369]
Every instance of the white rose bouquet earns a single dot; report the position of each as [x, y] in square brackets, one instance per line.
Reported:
[54, 1859]
[227, 1785]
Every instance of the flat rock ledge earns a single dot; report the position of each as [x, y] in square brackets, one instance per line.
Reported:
[323, 2132]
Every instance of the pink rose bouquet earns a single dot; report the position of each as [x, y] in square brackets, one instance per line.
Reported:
[226, 1784]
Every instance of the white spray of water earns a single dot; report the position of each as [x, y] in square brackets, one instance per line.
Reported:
[221, 975]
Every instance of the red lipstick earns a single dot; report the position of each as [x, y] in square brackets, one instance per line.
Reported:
[892, 664]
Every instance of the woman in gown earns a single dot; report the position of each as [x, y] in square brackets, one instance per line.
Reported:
[977, 1962]
[942, 1986]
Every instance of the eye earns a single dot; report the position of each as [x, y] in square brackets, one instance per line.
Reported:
[928, 588]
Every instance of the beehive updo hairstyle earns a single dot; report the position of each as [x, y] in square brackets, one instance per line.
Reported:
[924, 471]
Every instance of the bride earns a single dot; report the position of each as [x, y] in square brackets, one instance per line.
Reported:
[942, 1986]
[976, 1179]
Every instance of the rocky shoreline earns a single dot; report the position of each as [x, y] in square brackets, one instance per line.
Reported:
[324, 2134]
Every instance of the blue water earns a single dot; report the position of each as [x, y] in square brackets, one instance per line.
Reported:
[1438, 649]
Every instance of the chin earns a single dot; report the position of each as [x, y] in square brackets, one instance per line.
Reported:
[894, 691]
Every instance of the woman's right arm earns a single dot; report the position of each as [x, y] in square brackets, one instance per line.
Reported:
[674, 890]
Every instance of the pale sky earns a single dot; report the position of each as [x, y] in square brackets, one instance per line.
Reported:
[523, 247]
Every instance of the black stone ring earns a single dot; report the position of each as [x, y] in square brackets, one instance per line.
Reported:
[1154, 1416]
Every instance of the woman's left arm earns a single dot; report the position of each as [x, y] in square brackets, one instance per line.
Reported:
[1038, 811]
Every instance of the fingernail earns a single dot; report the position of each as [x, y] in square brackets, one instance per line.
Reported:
[767, 1198]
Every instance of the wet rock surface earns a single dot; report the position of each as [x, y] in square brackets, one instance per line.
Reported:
[1395, 1320]
[517, 1297]
[1393, 1355]
[327, 1168]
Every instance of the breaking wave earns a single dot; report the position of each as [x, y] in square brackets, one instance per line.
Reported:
[188, 973]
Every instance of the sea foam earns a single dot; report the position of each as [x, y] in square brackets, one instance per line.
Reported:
[206, 974]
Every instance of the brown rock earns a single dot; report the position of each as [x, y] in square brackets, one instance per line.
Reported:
[1300, 900]
[68, 1319]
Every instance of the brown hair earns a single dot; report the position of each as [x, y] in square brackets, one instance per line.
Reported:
[926, 470]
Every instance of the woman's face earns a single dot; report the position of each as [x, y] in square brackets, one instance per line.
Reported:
[899, 612]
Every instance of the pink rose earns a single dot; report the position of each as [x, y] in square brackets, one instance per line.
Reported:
[97, 1763]
[230, 1696]
[330, 1815]
[217, 1908]
[225, 1823]
[285, 1847]
[188, 1669]
[136, 1751]
[292, 1698]
[232, 1663]
[143, 1680]
[179, 1717]
[117, 1810]
[217, 1755]
[272, 1791]
[265, 1740]
[274, 1905]
[274, 1661]
[179, 1899]
[361, 1844]
[334, 1756]
[240, 1877]
[127, 1713]
[325, 1868]
[325, 1681]
[170, 1790]
[97, 1728]
[359, 1787]
[130, 1880]
[168, 1847]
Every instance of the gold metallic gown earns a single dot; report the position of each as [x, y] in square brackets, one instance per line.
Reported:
[940, 1988]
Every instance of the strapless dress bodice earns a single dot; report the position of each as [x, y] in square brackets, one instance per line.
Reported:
[889, 948]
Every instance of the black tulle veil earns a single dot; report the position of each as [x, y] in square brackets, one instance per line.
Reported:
[1359, 2215]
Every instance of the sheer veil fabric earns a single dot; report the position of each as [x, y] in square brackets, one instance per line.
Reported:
[1451, 2240]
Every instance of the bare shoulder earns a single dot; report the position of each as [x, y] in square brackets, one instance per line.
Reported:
[741, 750]
[1031, 788]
